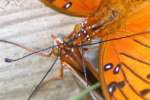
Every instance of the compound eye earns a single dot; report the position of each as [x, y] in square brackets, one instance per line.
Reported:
[77, 28]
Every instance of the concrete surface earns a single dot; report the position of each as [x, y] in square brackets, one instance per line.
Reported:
[30, 23]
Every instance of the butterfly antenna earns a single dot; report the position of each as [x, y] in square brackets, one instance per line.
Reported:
[23, 47]
[38, 86]
[8, 60]
[88, 44]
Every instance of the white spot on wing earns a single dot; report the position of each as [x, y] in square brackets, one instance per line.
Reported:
[108, 66]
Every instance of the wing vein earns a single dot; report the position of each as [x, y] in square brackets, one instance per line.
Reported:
[142, 44]
[134, 58]
[133, 89]
[135, 73]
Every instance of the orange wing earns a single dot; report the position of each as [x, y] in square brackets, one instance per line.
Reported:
[125, 63]
[80, 8]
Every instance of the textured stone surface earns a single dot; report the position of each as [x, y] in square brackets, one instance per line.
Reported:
[30, 23]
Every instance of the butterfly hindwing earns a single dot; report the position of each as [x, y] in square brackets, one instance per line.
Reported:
[125, 63]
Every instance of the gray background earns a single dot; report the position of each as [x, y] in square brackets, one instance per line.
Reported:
[30, 23]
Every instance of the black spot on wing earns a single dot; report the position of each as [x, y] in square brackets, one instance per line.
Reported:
[108, 66]
[121, 84]
[144, 92]
[67, 5]
[116, 69]
[112, 88]
[113, 85]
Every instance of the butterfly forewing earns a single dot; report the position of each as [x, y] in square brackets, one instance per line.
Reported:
[74, 7]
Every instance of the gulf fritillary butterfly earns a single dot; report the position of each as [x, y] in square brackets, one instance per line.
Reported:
[124, 29]
[124, 68]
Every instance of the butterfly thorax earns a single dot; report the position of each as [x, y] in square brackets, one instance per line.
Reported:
[111, 15]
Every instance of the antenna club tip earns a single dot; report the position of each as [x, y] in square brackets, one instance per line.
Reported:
[8, 60]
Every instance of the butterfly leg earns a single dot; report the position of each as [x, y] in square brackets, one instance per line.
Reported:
[60, 73]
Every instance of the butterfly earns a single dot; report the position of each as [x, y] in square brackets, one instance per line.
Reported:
[124, 29]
